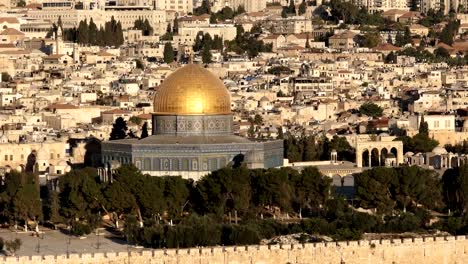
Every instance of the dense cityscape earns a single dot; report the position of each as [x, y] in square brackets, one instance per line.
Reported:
[137, 131]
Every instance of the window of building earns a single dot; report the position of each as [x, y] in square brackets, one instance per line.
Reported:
[213, 164]
[11, 157]
[6, 157]
[185, 165]
[156, 165]
[147, 164]
[175, 165]
[436, 124]
[166, 165]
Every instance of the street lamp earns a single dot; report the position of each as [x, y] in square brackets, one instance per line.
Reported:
[69, 240]
[97, 233]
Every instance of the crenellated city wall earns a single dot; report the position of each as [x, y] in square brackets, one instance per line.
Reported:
[431, 250]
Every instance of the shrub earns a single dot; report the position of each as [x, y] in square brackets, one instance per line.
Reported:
[80, 229]
[12, 246]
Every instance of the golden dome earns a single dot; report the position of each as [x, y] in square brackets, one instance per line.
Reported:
[192, 90]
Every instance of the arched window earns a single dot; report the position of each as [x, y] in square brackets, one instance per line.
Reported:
[194, 164]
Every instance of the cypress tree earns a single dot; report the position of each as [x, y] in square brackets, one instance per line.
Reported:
[307, 44]
[302, 8]
[291, 7]
[148, 29]
[59, 22]
[119, 35]
[206, 55]
[144, 130]
[198, 41]
[92, 32]
[108, 33]
[399, 40]
[83, 32]
[423, 127]
[389, 39]
[168, 53]
[101, 37]
[168, 28]
[407, 36]
[175, 26]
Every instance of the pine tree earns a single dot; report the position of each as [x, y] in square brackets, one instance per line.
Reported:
[119, 129]
[168, 53]
[144, 130]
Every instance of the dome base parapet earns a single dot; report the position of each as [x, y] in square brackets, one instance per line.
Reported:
[180, 125]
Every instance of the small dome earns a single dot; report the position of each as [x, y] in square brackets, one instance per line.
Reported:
[264, 99]
[384, 134]
[409, 154]
[439, 150]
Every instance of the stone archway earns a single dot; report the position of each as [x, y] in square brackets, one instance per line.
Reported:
[375, 157]
[337, 181]
[377, 147]
[365, 158]
[31, 162]
[383, 155]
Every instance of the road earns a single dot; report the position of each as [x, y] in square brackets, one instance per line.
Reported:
[54, 242]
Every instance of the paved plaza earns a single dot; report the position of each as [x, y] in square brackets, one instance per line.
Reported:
[53, 242]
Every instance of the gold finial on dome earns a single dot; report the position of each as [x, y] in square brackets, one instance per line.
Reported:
[192, 90]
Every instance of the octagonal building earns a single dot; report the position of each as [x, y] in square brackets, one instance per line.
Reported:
[192, 132]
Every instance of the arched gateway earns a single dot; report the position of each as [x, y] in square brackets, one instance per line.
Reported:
[379, 152]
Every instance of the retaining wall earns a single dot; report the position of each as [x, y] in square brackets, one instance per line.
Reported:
[432, 250]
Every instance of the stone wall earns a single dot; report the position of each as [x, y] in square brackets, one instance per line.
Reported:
[431, 250]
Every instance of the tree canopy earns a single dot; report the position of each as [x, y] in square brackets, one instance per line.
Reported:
[119, 129]
[370, 109]
[144, 26]
[89, 34]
